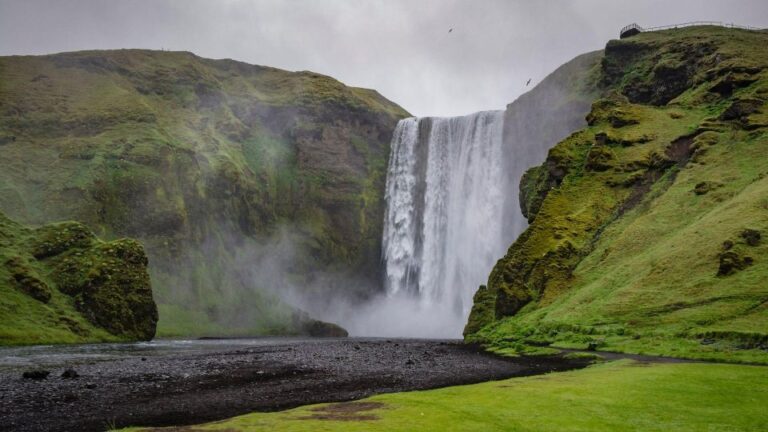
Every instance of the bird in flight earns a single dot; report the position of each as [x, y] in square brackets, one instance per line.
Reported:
[527, 82]
[450, 30]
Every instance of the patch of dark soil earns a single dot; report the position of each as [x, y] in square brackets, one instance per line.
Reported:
[345, 411]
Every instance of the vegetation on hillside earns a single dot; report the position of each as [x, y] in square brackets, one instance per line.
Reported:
[208, 163]
[59, 283]
[647, 226]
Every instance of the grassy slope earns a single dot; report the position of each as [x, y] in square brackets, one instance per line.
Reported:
[34, 308]
[614, 396]
[598, 267]
[201, 160]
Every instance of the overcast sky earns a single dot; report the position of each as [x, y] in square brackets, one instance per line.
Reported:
[403, 49]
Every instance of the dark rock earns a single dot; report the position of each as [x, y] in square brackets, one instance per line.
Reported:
[654, 79]
[620, 119]
[534, 187]
[599, 158]
[52, 240]
[704, 187]
[311, 327]
[25, 278]
[36, 374]
[731, 262]
[752, 237]
[730, 82]
[601, 138]
[317, 328]
[740, 109]
[70, 374]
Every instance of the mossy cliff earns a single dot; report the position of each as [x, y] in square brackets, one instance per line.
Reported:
[208, 163]
[647, 226]
[59, 283]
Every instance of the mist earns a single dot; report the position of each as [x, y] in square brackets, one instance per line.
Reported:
[267, 267]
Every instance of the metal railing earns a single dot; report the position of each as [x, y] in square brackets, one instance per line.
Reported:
[632, 26]
[688, 24]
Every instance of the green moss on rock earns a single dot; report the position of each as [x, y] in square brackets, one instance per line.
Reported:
[75, 287]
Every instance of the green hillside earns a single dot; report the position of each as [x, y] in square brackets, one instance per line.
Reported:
[214, 165]
[58, 283]
[647, 227]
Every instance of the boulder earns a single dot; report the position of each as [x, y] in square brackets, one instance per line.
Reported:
[36, 375]
[752, 237]
[317, 328]
[731, 262]
[70, 374]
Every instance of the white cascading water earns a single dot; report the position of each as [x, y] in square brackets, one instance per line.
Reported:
[451, 213]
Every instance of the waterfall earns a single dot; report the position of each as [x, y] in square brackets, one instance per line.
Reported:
[452, 211]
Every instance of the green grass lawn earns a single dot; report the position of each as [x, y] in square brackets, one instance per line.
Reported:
[617, 396]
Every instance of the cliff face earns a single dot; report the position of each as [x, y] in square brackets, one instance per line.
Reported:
[646, 225]
[534, 123]
[58, 283]
[214, 165]
[540, 118]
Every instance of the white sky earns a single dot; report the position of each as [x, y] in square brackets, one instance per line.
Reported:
[402, 48]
